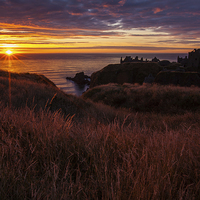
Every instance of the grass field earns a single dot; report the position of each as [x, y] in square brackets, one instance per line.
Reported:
[57, 146]
[147, 98]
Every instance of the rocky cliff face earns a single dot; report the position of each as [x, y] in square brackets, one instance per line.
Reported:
[124, 73]
[186, 79]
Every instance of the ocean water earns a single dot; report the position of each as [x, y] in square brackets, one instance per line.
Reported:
[57, 67]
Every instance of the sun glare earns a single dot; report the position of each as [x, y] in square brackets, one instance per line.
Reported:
[9, 52]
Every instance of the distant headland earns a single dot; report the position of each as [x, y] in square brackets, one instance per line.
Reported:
[192, 60]
[185, 72]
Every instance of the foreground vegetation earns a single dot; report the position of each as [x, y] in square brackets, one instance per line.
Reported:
[48, 153]
[147, 98]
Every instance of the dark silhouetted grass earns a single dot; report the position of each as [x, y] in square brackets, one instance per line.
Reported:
[146, 98]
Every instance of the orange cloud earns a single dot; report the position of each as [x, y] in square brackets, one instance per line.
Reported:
[122, 2]
[157, 10]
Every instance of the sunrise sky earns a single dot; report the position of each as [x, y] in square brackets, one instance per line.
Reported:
[99, 26]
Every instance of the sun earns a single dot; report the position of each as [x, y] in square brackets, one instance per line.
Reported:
[9, 52]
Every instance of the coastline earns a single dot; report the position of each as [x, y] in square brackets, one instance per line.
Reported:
[57, 67]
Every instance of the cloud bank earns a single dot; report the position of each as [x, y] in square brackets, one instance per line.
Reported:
[101, 18]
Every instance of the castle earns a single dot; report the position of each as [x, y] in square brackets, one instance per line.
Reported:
[129, 59]
[136, 59]
[193, 59]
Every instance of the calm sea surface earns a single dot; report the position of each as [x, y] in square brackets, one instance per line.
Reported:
[57, 67]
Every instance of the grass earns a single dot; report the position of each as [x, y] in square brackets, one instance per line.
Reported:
[146, 98]
[47, 156]
[109, 153]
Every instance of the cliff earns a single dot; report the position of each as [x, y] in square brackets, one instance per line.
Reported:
[124, 73]
[186, 79]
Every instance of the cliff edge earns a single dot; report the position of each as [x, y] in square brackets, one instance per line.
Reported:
[124, 73]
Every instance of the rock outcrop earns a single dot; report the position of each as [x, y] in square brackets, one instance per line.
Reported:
[185, 79]
[124, 73]
[80, 78]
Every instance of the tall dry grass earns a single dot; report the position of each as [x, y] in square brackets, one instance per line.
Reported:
[44, 155]
[49, 153]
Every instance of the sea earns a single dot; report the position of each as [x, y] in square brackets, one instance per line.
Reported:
[57, 67]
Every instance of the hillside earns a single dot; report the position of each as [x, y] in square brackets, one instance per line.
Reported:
[186, 79]
[38, 92]
[156, 99]
[124, 73]
[58, 146]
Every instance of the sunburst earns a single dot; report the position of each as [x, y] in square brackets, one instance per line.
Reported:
[9, 52]
[9, 56]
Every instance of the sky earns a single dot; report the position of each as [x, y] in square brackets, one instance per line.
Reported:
[99, 26]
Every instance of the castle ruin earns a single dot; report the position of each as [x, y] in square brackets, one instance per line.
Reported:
[130, 59]
[193, 59]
